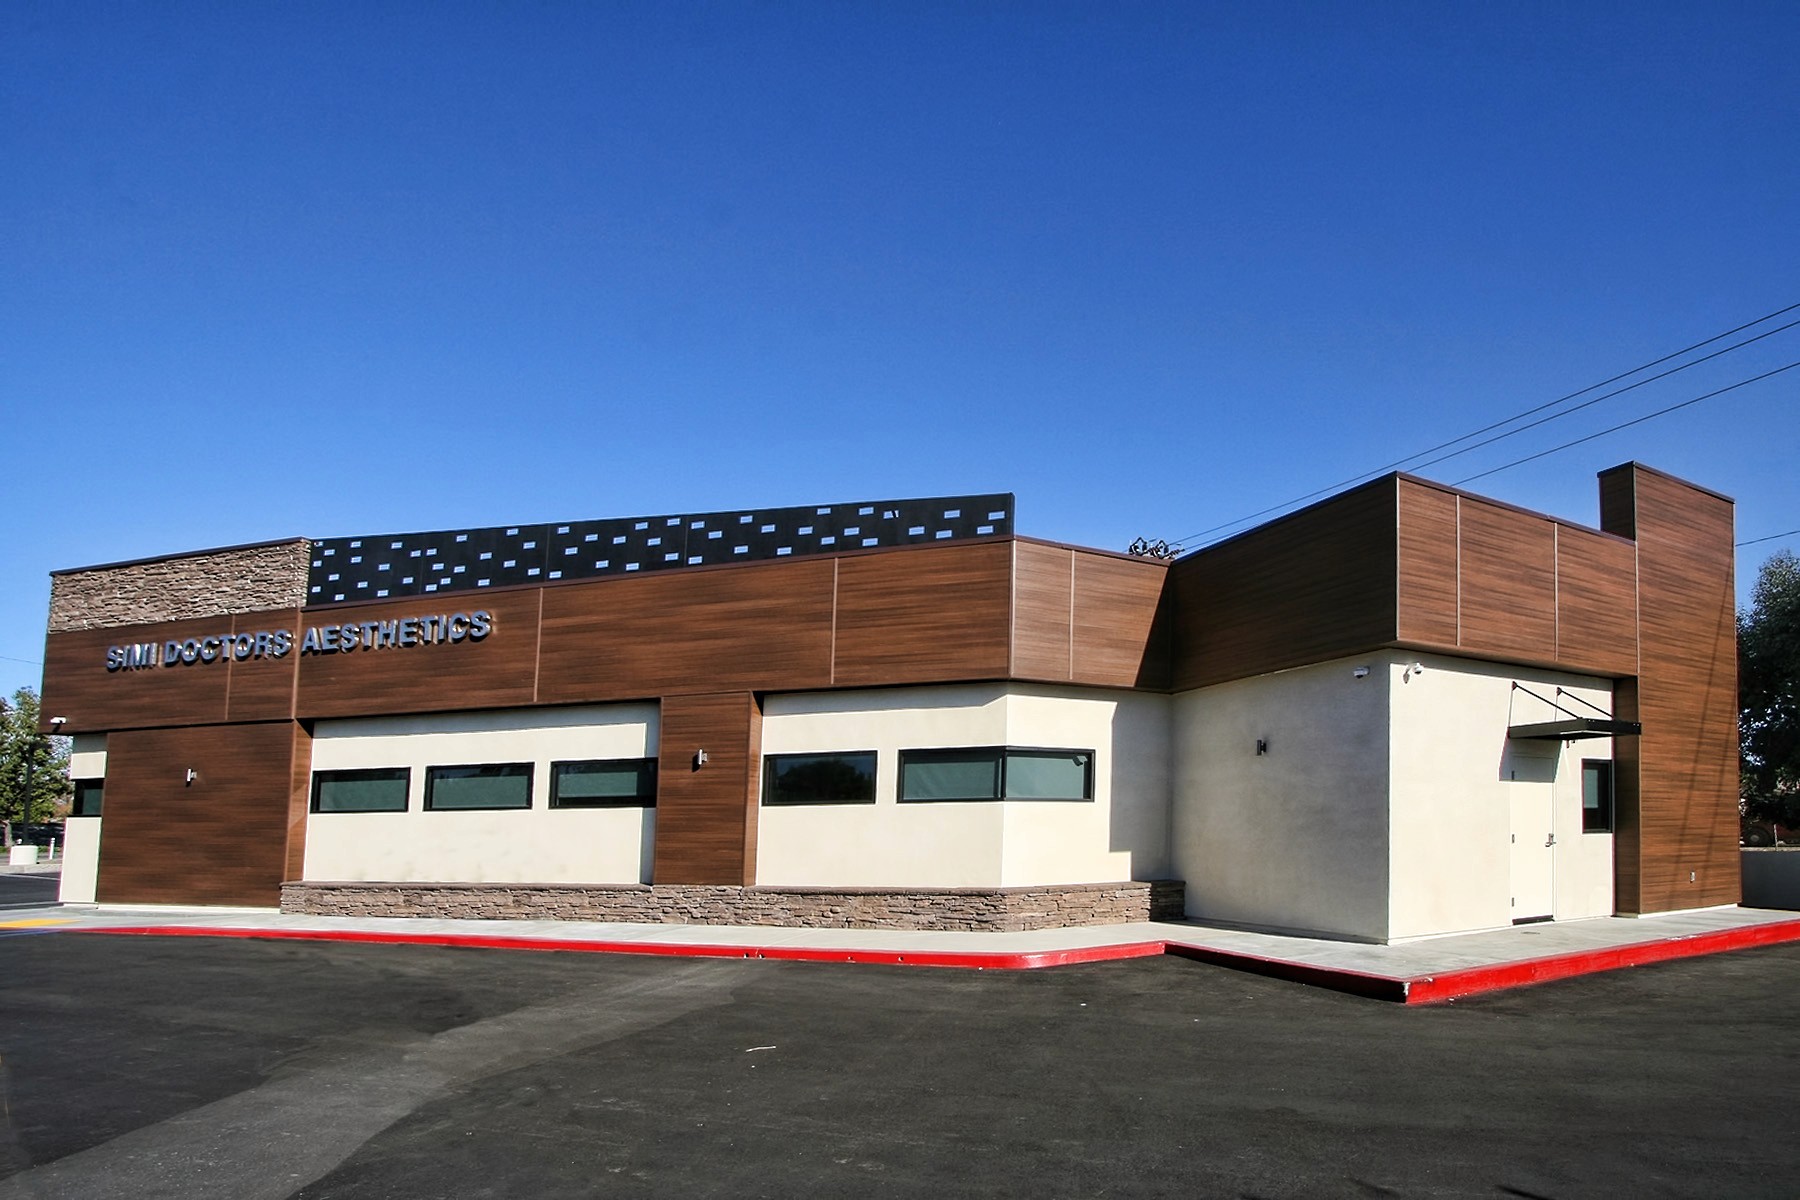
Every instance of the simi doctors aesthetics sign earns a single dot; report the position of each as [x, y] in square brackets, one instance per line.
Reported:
[434, 630]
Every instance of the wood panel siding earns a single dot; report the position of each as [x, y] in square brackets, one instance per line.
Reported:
[1311, 586]
[1428, 599]
[924, 615]
[299, 802]
[1043, 601]
[78, 686]
[222, 839]
[262, 689]
[706, 815]
[498, 671]
[766, 627]
[1121, 630]
[1678, 831]
[1596, 602]
[1507, 582]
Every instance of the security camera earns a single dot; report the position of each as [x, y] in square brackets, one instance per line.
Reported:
[1360, 673]
[56, 721]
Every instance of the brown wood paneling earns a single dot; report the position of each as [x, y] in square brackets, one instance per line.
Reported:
[1680, 849]
[1121, 622]
[262, 689]
[1311, 586]
[299, 802]
[219, 840]
[924, 615]
[706, 815]
[497, 672]
[1507, 582]
[78, 686]
[1428, 610]
[1596, 602]
[762, 627]
[1043, 597]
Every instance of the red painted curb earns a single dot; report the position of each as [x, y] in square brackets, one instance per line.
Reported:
[1451, 985]
[981, 961]
[1422, 989]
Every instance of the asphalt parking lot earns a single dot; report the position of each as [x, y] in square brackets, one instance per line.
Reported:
[23, 890]
[244, 1069]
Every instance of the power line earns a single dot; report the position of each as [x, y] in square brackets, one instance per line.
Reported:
[1770, 538]
[1179, 542]
[1627, 424]
[32, 662]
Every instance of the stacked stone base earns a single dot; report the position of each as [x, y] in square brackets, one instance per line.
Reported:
[979, 909]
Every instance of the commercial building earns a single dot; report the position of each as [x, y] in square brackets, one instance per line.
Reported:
[1403, 711]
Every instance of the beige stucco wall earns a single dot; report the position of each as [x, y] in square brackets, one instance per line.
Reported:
[1122, 834]
[81, 835]
[535, 845]
[1296, 838]
[1455, 777]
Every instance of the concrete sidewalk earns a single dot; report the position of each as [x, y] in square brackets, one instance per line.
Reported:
[1437, 969]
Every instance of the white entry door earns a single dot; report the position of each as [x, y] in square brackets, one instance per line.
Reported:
[1533, 851]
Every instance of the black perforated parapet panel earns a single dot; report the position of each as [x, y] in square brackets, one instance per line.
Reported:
[417, 564]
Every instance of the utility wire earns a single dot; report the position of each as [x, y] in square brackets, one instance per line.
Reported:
[1627, 425]
[1770, 538]
[27, 661]
[1180, 542]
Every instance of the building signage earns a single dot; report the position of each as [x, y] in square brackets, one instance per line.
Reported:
[433, 630]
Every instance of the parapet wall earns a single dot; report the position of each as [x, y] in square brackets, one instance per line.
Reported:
[208, 584]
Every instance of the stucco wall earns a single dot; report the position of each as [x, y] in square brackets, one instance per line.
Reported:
[207, 584]
[1295, 838]
[81, 835]
[535, 845]
[1455, 781]
[1121, 834]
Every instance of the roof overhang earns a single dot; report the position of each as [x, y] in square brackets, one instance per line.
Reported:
[1574, 729]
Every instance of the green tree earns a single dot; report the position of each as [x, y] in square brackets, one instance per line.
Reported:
[34, 768]
[1769, 693]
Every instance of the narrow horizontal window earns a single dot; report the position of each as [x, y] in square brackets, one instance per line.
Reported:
[603, 783]
[967, 774]
[378, 789]
[996, 773]
[88, 795]
[840, 778]
[487, 785]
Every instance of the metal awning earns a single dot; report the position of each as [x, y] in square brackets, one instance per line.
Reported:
[1574, 729]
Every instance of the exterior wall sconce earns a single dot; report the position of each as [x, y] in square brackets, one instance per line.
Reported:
[699, 759]
[1262, 746]
[191, 776]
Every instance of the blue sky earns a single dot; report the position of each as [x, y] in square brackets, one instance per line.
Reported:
[307, 269]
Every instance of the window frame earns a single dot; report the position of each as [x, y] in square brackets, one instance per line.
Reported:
[641, 800]
[1609, 806]
[768, 778]
[75, 787]
[1003, 755]
[507, 770]
[403, 774]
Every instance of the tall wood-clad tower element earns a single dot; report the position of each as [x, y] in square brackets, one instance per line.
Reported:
[1677, 785]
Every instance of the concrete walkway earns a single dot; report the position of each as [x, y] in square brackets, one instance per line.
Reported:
[1436, 969]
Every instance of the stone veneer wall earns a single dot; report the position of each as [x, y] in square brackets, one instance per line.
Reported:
[979, 909]
[208, 584]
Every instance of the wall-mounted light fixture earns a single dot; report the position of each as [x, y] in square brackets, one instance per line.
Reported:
[1262, 746]
[191, 776]
[699, 759]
